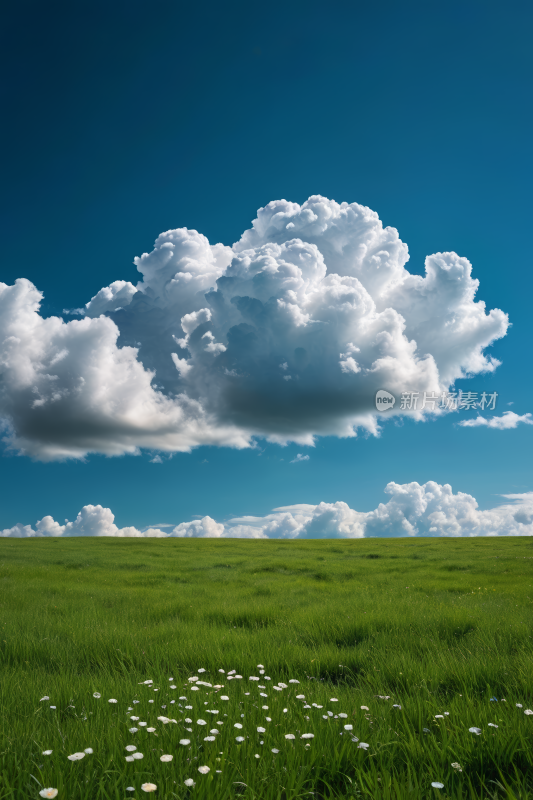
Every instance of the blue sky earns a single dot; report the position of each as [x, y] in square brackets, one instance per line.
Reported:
[128, 120]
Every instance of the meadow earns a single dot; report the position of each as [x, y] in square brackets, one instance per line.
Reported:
[393, 665]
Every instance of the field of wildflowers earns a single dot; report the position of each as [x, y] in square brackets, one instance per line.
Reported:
[266, 669]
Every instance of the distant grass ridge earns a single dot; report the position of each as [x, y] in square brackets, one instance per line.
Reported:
[436, 624]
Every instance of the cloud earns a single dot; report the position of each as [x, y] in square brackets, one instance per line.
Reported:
[287, 336]
[299, 458]
[430, 509]
[507, 421]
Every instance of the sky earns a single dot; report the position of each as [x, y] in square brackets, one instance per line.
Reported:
[153, 156]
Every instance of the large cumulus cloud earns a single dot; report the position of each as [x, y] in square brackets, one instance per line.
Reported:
[286, 335]
[412, 510]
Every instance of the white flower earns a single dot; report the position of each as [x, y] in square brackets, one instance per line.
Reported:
[492, 725]
[112, 701]
[268, 719]
[130, 789]
[204, 770]
[363, 746]
[252, 678]
[97, 695]
[348, 727]
[213, 730]
[364, 708]
[457, 766]
[437, 785]
[41, 700]
[257, 755]
[54, 707]
[143, 724]
[237, 725]
[137, 756]
[263, 694]
[164, 720]
[261, 730]
[150, 730]
[333, 700]
[89, 751]
[239, 738]
[265, 708]
[195, 689]
[439, 716]
[201, 669]
[300, 696]
[343, 716]
[48, 792]
[201, 722]
[290, 736]
[185, 741]
[397, 706]
[129, 758]
[292, 680]
[189, 782]
[221, 670]
[76, 756]
[134, 718]
[148, 787]
[307, 736]
[528, 711]
[166, 758]
[274, 750]
[224, 697]
[209, 739]
[131, 748]
[47, 752]
[475, 730]
[285, 710]
[173, 687]
[519, 705]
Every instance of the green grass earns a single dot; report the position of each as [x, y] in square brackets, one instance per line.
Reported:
[437, 624]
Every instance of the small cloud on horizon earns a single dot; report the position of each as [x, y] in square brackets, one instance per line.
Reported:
[507, 421]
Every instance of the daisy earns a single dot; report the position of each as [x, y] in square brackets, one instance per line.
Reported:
[189, 782]
[148, 787]
[204, 770]
[166, 758]
[48, 792]
[76, 756]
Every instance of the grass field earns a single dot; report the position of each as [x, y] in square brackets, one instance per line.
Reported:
[439, 626]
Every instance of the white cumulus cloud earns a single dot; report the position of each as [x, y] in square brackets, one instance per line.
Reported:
[430, 509]
[507, 421]
[287, 335]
